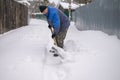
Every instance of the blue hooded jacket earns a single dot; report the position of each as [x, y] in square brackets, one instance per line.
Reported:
[57, 19]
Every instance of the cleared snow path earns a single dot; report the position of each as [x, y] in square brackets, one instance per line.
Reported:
[93, 55]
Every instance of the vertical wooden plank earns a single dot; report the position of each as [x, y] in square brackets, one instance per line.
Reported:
[7, 18]
[0, 16]
[26, 15]
[4, 15]
[11, 26]
[13, 14]
[16, 14]
[20, 15]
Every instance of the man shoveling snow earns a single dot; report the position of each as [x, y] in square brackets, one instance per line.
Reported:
[58, 24]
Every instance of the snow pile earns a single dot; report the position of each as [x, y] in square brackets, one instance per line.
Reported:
[24, 2]
[66, 5]
[54, 1]
[94, 55]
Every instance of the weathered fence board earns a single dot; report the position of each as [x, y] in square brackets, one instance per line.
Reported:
[12, 15]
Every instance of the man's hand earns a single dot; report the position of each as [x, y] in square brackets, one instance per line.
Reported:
[53, 35]
[49, 26]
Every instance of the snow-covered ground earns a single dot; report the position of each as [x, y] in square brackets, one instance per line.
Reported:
[93, 55]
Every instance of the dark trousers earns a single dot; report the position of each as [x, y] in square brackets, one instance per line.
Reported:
[60, 38]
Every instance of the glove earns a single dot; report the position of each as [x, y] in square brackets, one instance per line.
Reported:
[53, 35]
[49, 26]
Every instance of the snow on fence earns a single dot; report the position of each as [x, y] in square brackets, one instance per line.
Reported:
[12, 15]
[103, 15]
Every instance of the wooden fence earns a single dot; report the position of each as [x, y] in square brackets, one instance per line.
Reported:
[12, 15]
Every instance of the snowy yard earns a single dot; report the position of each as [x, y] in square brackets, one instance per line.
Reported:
[93, 55]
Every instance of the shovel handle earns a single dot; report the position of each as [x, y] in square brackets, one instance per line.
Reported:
[55, 42]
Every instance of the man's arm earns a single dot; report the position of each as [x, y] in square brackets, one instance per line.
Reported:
[56, 23]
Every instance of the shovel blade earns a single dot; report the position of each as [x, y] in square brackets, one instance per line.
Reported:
[55, 52]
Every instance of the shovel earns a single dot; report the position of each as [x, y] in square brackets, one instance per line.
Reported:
[53, 49]
[55, 41]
